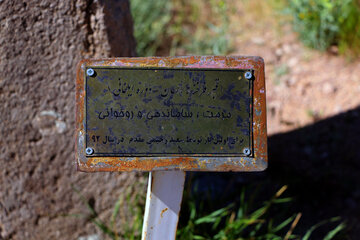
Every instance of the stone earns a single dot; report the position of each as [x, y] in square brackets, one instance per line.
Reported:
[291, 81]
[279, 52]
[90, 237]
[287, 48]
[328, 88]
[258, 40]
[41, 43]
[293, 62]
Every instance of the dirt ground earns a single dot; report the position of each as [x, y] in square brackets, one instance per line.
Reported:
[313, 115]
[303, 85]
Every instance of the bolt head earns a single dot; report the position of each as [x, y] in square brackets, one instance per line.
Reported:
[246, 151]
[248, 75]
[90, 72]
[89, 151]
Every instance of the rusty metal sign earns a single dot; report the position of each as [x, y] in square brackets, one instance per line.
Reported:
[186, 113]
[164, 111]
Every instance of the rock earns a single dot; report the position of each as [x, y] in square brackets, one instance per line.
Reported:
[328, 88]
[41, 42]
[90, 237]
[279, 52]
[287, 48]
[338, 109]
[60, 126]
[293, 62]
[291, 81]
[258, 40]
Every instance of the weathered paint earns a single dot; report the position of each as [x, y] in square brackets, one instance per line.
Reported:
[163, 202]
[258, 162]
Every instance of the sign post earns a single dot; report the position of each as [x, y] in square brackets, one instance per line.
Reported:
[163, 201]
[170, 113]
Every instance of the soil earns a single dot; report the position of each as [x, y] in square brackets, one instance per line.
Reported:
[313, 114]
[303, 85]
[313, 120]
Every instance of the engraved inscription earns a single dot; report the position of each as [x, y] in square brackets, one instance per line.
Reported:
[161, 111]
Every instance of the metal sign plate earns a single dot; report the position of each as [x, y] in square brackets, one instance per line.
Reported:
[147, 114]
[162, 111]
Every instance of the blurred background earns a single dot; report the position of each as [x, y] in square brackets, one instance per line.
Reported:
[311, 189]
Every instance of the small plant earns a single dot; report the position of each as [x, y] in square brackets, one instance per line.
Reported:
[130, 229]
[229, 223]
[282, 70]
[202, 28]
[151, 20]
[314, 115]
[323, 23]
[178, 27]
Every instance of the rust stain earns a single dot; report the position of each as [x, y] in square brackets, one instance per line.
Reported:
[257, 163]
[147, 164]
[162, 212]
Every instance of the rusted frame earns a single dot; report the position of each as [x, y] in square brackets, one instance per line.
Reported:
[258, 162]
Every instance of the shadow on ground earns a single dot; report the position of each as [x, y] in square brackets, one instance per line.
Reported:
[321, 165]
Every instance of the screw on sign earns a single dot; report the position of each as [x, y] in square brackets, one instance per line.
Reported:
[89, 151]
[168, 115]
[90, 72]
[248, 75]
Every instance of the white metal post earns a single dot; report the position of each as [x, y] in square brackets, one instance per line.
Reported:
[163, 202]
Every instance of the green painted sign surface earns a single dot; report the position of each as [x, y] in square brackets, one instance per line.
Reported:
[168, 111]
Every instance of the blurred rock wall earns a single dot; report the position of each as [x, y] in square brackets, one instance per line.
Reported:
[41, 43]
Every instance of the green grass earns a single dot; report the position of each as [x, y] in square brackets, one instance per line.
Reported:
[202, 28]
[179, 27]
[323, 23]
[131, 228]
[237, 220]
[314, 115]
[241, 221]
[151, 21]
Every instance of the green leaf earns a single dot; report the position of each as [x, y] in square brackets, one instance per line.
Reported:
[313, 228]
[335, 231]
[197, 237]
[115, 211]
[283, 224]
[212, 217]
